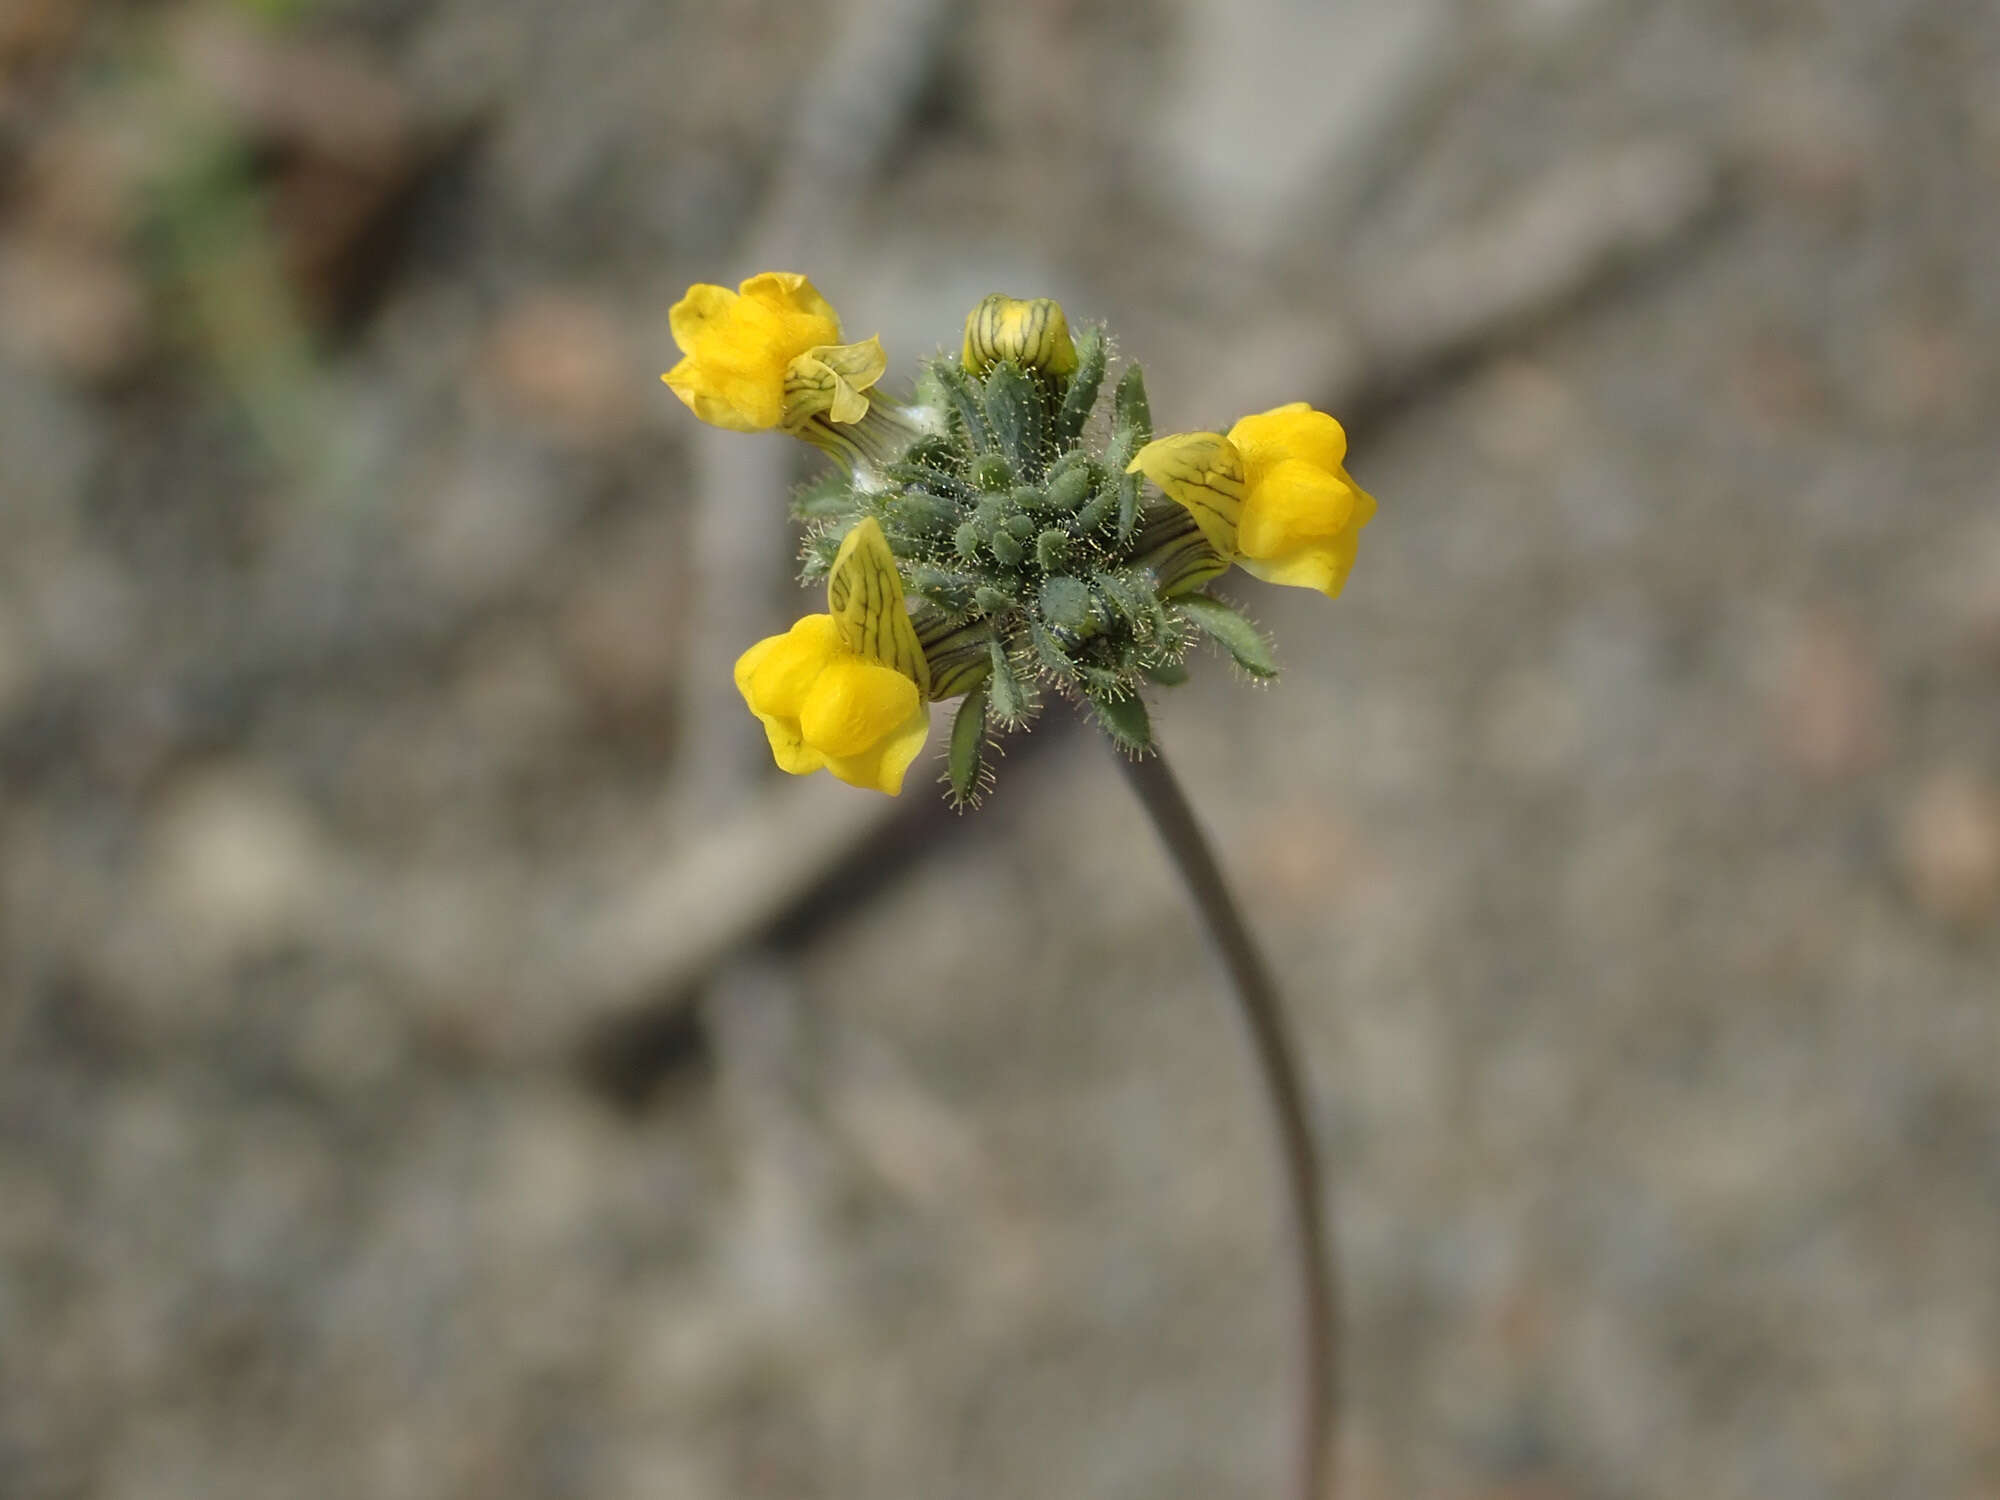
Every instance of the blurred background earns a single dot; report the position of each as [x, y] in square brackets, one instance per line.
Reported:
[439, 1058]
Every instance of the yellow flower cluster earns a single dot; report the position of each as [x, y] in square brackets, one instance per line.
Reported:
[1020, 536]
[1274, 496]
[846, 690]
[769, 355]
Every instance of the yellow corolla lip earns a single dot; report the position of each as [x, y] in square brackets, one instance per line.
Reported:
[1274, 496]
[830, 379]
[1202, 473]
[845, 691]
[738, 348]
[1033, 332]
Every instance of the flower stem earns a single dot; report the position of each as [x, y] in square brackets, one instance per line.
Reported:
[1278, 1071]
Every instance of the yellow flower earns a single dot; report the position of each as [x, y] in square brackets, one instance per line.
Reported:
[1273, 496]
[1034, 334]
[768, 355]
[845, 690]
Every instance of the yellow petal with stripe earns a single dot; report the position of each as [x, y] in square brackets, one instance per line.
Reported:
[864, 589]
[1203, 473]
[830, 379]
[1032, 332]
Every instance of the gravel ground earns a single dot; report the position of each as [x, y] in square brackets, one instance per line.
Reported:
[1627, 837]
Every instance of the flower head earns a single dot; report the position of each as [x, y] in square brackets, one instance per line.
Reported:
[1033, 333]
[1273, 496]
[768, 355]
[845, 690]
[994, 540]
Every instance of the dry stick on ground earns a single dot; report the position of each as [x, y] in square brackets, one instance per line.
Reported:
[726, 888]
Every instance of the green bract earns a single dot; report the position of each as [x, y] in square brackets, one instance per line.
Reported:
[1008, 499]
[1038, 568]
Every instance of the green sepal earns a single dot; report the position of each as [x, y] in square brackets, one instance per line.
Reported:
[1167, 673]
[919, 513]
[950, 592]
[964, 395]
[1126, 721]
[1070, 484]
[1235, 634]
[1050, 653]
[966, 765]
[1138, 607]
[1070, 608]
[1083, 387]
[1130, 410]
[819, 549]
[1128, 506]
[1014, 414]
[992, 474]
[1170, 545]
[1096, 515]
[909, 471]
[824, 497]
[1010, 700]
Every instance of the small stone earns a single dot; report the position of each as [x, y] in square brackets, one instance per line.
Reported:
[1949, 844]
[237, 865]
[1778, 382]
[1920, 373]
[82, 311]
[1831, 717]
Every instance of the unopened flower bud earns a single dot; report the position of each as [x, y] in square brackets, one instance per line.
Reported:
[1034, 334]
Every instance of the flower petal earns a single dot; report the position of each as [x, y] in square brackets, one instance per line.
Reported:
[1292, 431]
[830, 379]
[881, 767]
[1203, 473]
[794, 299]
[704, 308]
[1296, 504]
[864, 589]
[789, 748]
[855, 704]
[777, 673]
[1323, 566]
[736, 405]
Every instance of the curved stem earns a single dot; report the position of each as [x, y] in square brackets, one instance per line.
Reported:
[1279, 1073]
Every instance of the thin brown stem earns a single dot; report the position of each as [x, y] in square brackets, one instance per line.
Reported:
[1278, 1071]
